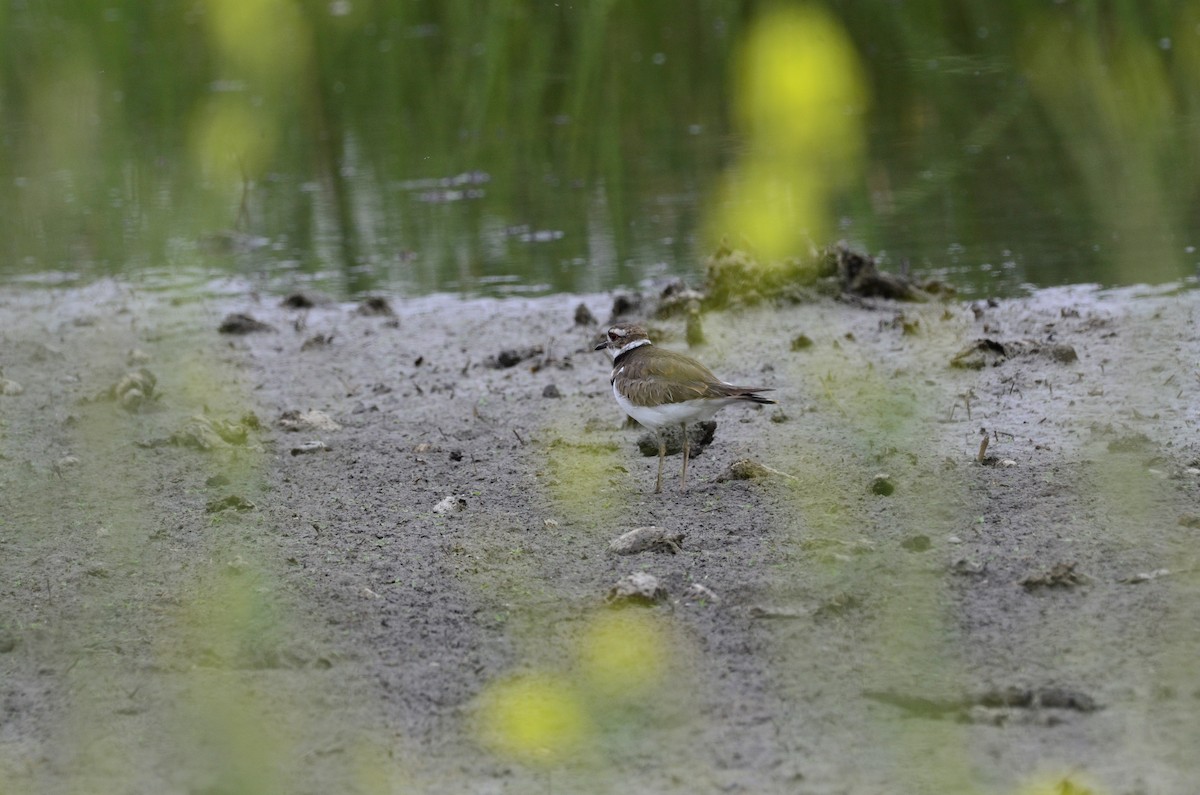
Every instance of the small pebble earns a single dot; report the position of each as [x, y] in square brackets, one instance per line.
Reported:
[452, 504]
[637, 588]
[315, 446]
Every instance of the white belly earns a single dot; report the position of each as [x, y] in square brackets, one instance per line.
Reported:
[658, 417]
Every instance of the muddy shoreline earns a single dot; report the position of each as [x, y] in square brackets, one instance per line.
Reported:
[270, 615]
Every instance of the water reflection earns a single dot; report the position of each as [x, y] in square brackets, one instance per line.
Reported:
[514, 146]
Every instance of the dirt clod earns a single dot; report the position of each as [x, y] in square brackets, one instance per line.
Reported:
[968, 567]
[233, 501]
[744, 469]
[990, 353]
[298, 301]
[584, 316]
[511, 357]
[135, 390]
[838, 605]
[375, 306]
[625, 303]
[239, 323]
[1060, 575]
[317, 341]
[883, 485]
[801, 342]
[307, 421]
[638, 588]
[698, 592]
[918, 543]
[646, 539]
[206, 434]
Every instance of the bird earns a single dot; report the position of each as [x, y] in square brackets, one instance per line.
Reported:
[660, 388]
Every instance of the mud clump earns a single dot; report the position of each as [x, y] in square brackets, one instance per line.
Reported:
[233, 502]
[646, 539]
[375, 306]
[638, 588]
[700, 436]
[858, 275]
[801, 342]
[986, 352]
[584, 316]
[1060, 575]
[207, 434]
[733, 276]
[238, 323]
[511, 357]
[135, 390]
[744, 469]
[883, 485]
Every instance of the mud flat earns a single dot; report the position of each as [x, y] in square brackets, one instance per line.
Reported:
[366, 548]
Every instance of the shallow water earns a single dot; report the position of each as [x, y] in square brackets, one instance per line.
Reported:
[501, 148]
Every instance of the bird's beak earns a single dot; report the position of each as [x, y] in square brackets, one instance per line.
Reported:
[601, 346]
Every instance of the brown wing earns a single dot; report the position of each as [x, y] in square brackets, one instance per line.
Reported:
[662, 376]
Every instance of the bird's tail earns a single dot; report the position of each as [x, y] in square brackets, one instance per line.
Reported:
[751, 393]
[757, 398]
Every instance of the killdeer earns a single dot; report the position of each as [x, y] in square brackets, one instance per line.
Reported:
[660, 388]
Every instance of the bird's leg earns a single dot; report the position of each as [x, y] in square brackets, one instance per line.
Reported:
[662, 452]
[683, 479]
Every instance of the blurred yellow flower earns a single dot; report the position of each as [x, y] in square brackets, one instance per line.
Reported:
[533, 718]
